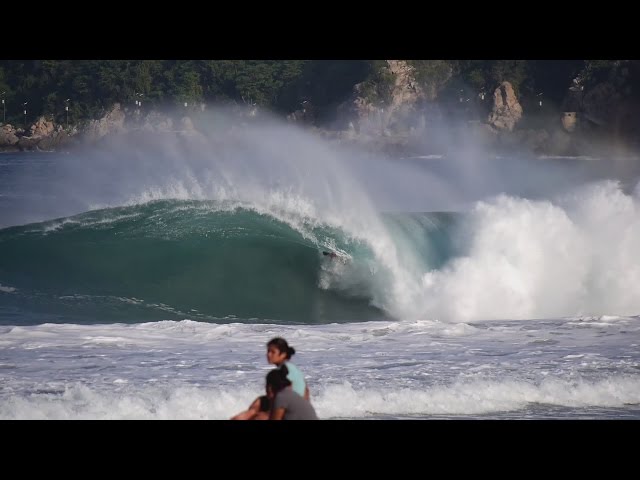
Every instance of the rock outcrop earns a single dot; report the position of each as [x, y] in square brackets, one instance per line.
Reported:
[506, 111]
[42, 128]
[391, 117]
[42, 135]
[112, 122]
[8, 136]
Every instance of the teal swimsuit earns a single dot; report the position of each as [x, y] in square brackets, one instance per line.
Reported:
[296, 378]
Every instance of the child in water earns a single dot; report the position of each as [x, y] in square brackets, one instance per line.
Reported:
[279, 353]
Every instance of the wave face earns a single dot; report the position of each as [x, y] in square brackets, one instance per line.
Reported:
[507, 258]
[232, 224]
[206, 260]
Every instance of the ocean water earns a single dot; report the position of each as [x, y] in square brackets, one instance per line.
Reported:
[144, 280]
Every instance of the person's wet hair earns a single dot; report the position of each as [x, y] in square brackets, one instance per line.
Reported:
[265, 403]
[282, 346]
[277, 379]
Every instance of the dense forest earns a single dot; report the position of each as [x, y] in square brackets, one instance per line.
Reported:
[89, 87]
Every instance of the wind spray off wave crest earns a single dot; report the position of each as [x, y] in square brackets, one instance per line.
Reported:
[507, 257]
[269, 168]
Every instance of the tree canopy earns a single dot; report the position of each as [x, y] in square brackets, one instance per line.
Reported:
[89, 87]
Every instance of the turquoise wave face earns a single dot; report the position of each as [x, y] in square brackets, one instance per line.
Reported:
[199, 260]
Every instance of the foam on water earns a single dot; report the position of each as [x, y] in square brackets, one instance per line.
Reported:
[369, 370]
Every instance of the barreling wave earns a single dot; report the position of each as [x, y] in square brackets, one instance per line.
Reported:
[507, 258]
[206, 260]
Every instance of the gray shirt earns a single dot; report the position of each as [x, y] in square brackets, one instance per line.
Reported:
[295, 406]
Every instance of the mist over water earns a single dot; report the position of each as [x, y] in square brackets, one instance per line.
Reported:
[269, 163]
[534, 237]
